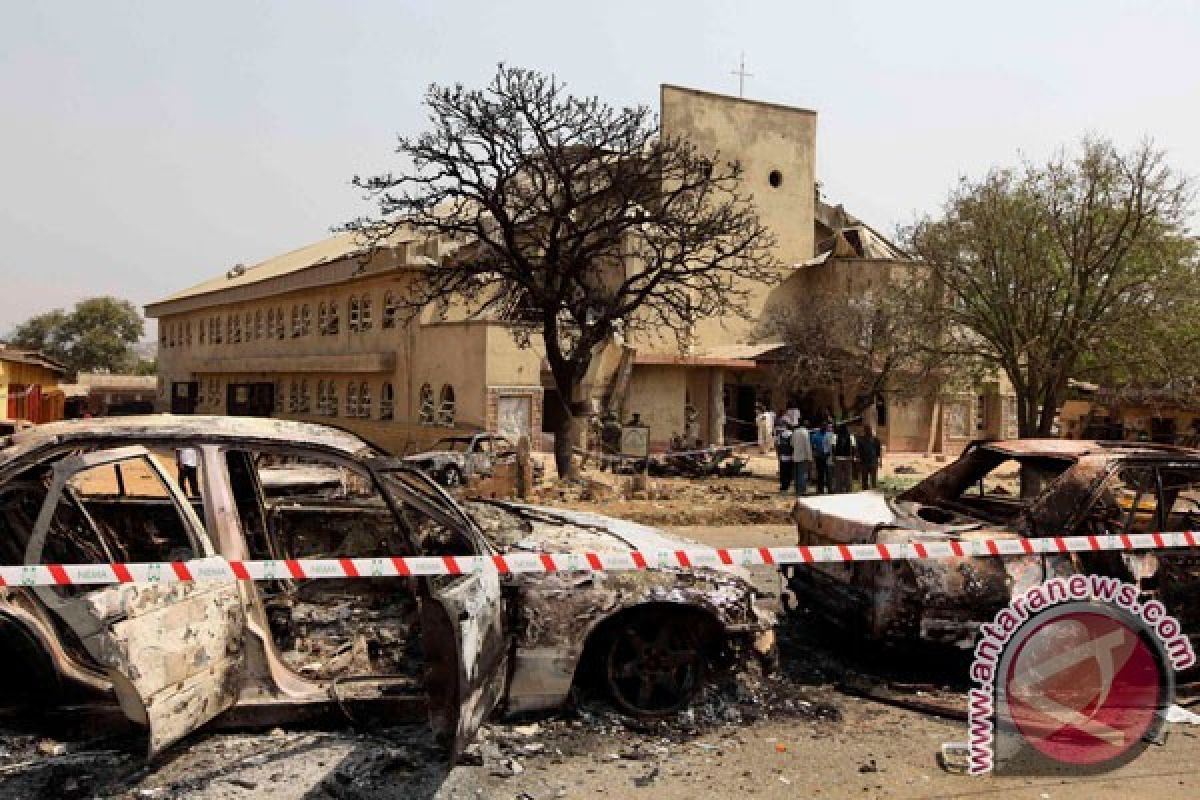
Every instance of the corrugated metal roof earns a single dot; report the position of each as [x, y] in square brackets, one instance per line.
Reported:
[22, 356]
[336, 247]
[742, 350]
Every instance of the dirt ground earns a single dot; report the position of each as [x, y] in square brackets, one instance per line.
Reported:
[804, 732]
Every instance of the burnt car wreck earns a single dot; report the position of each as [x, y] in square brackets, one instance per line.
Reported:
[997, 490]
[177, 656]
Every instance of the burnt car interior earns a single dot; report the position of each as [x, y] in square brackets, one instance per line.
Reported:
[334, 629]
[987, 484]
[113, 512]
[327, 629]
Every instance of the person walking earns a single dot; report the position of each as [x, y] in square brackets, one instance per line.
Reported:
[783, 451]
[843, 459]
[765, 421]
[802, 456]
[187, 464]
[870, 454]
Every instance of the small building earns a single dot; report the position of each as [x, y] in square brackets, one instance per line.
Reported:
[29, 386]
[1163, 414]
[102, 394]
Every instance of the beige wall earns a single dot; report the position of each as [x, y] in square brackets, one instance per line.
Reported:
[764, 138]
[658, 393]
[467, 356]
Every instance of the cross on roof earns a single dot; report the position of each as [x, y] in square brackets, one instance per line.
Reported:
[742, 75]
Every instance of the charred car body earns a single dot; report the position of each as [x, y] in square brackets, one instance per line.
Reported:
[454, 460]
[997, 490]
[176, 655]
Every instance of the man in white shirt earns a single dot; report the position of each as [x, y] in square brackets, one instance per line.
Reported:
[766, 427]
[187, 461]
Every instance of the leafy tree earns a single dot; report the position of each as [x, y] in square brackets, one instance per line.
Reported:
[1077, 268]
[581, 222]
[861, 344]
[42, 333]
[96, 336]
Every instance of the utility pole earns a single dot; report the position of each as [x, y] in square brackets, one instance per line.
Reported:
[742, 75]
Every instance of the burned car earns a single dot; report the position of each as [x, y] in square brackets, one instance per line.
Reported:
[175, 655]
[998, 490]
[454, 460]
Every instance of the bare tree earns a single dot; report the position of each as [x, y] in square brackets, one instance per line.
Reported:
[582, 222]
[1079, 267]
[858, 344]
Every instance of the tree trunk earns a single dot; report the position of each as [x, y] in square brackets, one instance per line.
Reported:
[564, 442]
[567, 435]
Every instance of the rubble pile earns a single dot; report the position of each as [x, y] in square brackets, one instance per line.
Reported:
[346, 635]
[673, 502]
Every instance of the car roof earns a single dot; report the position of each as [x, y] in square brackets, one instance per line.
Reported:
[1077, 448]
[180, 430]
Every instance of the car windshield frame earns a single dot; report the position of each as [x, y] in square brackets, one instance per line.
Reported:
[454, 441]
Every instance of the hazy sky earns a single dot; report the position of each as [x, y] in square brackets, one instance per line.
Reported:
[147, 146]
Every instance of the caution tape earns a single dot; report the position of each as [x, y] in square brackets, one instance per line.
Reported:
[217, 568]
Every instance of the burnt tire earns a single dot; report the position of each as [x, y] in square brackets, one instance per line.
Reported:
[450, 476]
[655, 662]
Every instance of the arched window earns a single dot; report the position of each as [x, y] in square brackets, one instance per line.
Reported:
[332, 402]
[305, 400]
[280, 324]
[249, 333]
[229, 328]
[387, 402]
[322, 319]
[293, 397]
[217, 335]
[364, 400]
[322, 406]
[258, 324]
[333, 318]
[425, 405]
[295, 321]
[187, 332]
[200, 326]
[354, 313]
[352, 399]
[445, 414]
[305, 320]
[364, 320]
[389, 310]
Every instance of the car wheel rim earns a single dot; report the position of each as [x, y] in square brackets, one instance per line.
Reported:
[654, 667]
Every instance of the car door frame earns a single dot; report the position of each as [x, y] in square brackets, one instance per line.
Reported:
[119, 625]
[463, 622]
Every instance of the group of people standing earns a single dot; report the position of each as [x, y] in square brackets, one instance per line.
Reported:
[829, 455]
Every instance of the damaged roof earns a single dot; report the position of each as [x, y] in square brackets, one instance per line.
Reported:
[840, 234]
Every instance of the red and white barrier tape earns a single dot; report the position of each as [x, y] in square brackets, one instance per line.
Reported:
[530, 562]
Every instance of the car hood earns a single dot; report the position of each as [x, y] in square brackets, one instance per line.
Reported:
[865, 508]
[562, 530]
[726, 591]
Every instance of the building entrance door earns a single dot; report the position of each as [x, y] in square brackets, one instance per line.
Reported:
[184, 397]
[514, 416]
[250, 399]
